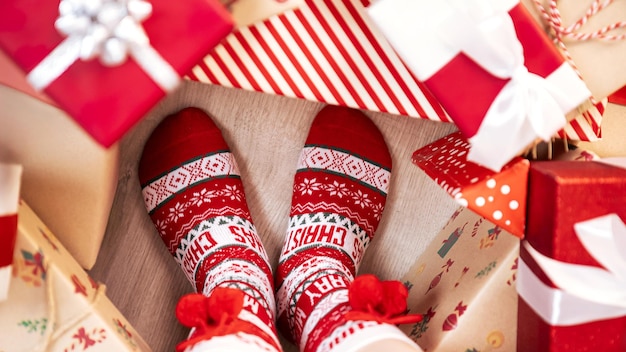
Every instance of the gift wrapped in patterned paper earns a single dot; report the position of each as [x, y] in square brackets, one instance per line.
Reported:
[498, 196]
[53, 305]
[464, 285]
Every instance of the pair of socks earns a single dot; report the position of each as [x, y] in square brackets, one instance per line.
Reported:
[194, 195]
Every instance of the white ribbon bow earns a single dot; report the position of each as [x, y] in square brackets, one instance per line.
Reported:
[585, 293]
[528, 106]
[108, 29]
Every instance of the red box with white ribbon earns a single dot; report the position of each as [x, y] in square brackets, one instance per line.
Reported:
[490, 65]
[143, 48]
[570, 274]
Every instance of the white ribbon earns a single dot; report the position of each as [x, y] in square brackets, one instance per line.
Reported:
[108, 29]
[528, 106]
[585, 293]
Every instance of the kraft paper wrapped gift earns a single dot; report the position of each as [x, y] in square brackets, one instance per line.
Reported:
[69, 179]
[464, 284]
[498, 196]
[492, 68]
[599, 58]
[53, 305]
[10, 179]
[570, 278]
[143, 48]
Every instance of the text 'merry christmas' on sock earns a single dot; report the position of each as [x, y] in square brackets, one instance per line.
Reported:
[339, 194]
[194, 195]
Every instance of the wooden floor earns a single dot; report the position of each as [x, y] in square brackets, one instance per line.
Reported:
[266, 134]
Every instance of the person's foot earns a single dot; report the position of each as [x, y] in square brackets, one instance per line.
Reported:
[193, 193]
[339, 194]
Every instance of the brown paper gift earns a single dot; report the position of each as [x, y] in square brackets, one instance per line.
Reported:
[600, 61]
[53, 305]
[68, 179]
[464, 284]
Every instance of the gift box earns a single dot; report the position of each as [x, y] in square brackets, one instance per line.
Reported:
[325, 51]
[492, 68]
[565, 200]
[69, 179]
[10, 178]
[464, 285]
[53, 305]
[162, 39]
[498, 196]
[591, 36]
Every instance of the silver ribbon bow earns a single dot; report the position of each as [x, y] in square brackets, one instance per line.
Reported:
[110, 30]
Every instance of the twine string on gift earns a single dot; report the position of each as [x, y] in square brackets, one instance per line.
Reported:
[53, 333]
[552, 16]
[108, 29]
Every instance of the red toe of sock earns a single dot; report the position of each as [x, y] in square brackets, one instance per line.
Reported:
[180, 137]
[351, 130]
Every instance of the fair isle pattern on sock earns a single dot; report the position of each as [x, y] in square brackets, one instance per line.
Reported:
[338, 199]
[194, 195]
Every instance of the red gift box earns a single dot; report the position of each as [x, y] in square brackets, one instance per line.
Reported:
[498, 196]
[562, 195]
[490, 65]
[10, 180]
[108, 101]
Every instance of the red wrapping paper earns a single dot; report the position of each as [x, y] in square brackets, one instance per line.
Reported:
[106, 101]
[498, 196]
[562, 193]
[540, 57]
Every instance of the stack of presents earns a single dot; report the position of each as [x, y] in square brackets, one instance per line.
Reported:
[533, 260]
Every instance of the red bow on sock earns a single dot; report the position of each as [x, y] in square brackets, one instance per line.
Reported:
[216, 315]
[380, 301]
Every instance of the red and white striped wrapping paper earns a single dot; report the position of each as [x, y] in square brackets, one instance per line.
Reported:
[324, 51]
[10, 179]
[327, 51]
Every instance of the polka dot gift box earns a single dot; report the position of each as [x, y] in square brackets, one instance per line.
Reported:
[464, 286]
[498, 196]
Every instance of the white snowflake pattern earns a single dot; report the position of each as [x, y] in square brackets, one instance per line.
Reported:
[177, 212]
[233, 193]
[361, 199]
[203, 196]
[308, 186]
[338, 189]
[377, 210]
[161, 226]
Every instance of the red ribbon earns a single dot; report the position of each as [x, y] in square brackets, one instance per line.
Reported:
[379, 301]
[8, 236]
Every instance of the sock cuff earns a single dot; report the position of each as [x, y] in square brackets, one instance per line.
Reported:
[236, 342]
[360, 336]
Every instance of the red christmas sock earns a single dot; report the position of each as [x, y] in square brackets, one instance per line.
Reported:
[193, 192]
[339, 194]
